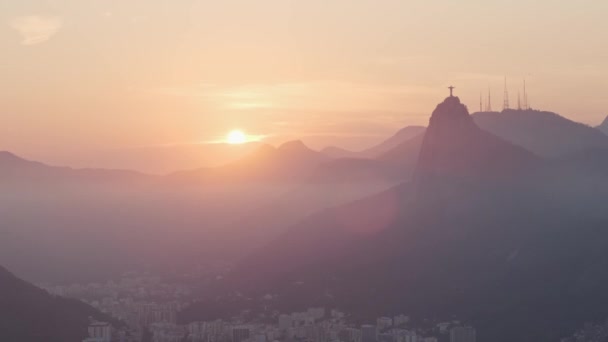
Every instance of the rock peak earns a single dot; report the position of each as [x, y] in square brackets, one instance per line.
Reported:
[294, 145]
[454, 147]
[450, 115]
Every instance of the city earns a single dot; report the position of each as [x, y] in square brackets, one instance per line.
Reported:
[149, 305]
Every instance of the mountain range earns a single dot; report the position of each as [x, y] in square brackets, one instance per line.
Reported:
[486, 232]
[376, 151]
[15, 170]
[543, 133]
[291, 162]
[68, 217]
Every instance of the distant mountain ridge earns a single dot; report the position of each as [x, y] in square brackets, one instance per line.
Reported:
[30, 314]
[290, 162]
[603, 127]
[14, 169]
[378, 150]
[544, 133]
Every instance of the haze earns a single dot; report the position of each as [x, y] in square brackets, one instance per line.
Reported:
[85, 79]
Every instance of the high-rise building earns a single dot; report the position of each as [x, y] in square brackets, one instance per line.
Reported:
[316, 313]
[241, 333]
[463, 334]
[400, 320]
[99, 332]
[384, 323]
[369, 333]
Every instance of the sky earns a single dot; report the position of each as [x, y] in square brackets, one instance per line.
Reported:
[79, 76]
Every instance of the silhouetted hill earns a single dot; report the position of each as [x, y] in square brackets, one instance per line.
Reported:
[357, 171]
[604, 126]
[487, 233]
[394, 159]
[454, 147]
[30, 314]
[291, 162]
[15, 170]
[435, 151]
[544, 133]
[160, 159]
[338, 152]
[405, 155]
[67, 217]
[398, 138]
[377, 151]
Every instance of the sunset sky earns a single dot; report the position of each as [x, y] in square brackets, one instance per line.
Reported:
[90, 75]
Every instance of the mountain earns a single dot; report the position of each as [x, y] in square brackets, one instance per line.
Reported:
[604, 126]
[452, 129]
[256, 228]
[338, 152]
[15, 170]
[387, 145]
[30, 314]
[455, 147]
[544, 133]
[158, 159]
[291, 162]
[486, 233]
[68, 217]
[403, 135]
[356, 171]
[405, 155]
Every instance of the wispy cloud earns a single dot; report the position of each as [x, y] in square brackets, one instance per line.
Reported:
[312, 95]
[36, 29]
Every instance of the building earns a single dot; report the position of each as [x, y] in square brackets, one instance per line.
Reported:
[241, 333]
[463, 334]
[384, 323]
[285, 322]
[400, 320]
[369, 333]
[316, 313]
[99, 332]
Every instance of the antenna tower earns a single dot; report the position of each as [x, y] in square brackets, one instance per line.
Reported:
[489, 105]
[518, 101]
[526, 106]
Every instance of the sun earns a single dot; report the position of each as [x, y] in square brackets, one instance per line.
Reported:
[236, 137]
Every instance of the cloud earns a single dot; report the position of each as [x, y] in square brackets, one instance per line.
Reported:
[36, 29]
[310, 96]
